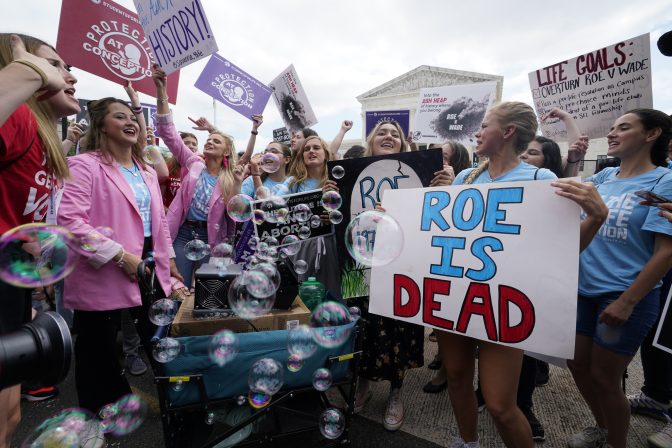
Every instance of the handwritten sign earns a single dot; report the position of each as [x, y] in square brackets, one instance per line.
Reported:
[595, 88]
[292, 100]
[452, 112]
[107, 40]
[177, 31]
[230, 85]
[496, 262]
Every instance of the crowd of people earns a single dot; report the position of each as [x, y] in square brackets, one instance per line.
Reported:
[158, 208]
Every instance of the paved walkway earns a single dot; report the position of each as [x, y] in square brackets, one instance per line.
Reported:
[429, 419]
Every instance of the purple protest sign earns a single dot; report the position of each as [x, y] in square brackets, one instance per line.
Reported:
[376, 116]
[230, 85]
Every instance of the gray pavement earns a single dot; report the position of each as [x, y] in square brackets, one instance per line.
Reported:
[429, 421]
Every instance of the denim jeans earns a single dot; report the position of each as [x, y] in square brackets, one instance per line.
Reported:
[184, 265]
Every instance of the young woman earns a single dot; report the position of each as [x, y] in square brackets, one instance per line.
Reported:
[620, 272]
[172, 183]
[37, 89]
[391, 347]
[199, 208]
[505, 132]
[277, 181]
[111, 186]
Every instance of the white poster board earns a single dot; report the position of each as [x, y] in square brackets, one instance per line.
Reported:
[452, 112]
[595, 88]
[292, 100]
[496, 262]
[177, 31]
[663, 337]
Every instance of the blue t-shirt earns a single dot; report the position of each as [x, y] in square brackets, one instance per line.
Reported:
[306, 185]
[142, 196]
[276, 188]
[669, 165]
[200, 203]
[624, 243]
[523, 171]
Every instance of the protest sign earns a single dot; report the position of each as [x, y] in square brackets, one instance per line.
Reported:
[663, 336]
[594, 88]
[230, 85]
[297, 223]
[107, 40]
[363, 183]
[452, 112]
[292, 101]
[149, 111]
[281, 135]
[374, 117]
[178, 31]
[496, 262]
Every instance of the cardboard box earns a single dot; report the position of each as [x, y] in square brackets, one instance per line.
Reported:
[185, 324]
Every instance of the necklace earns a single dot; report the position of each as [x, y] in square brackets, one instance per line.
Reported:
[133, 171]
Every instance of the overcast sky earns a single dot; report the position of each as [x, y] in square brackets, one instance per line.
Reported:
[344, 48]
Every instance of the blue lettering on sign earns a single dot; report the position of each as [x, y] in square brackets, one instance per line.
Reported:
[489, 267]
[368, 183]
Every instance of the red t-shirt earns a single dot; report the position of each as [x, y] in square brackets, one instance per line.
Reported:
[170, 187]
[24, 183]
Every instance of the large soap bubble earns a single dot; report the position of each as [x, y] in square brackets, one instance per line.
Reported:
[363, 232]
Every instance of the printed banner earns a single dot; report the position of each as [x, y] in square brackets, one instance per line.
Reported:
[496, 262]
[292, 222]
[663, 337]
[595, 88]
[178, 31]
[107, 40]
[374, 117]
[230, 85]
[149, 110]
[281, 135]
[452, 112]
[292, 101]
[363, 183]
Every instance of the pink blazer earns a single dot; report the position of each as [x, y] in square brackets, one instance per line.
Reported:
[219, 223]
[98, 195]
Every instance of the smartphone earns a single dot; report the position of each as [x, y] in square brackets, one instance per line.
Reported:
[652, 197]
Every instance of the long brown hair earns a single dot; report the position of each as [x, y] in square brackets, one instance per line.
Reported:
[299, 172]
[46, 129]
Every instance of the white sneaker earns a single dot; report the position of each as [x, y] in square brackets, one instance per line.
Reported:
[394, 414]
[642, 404]
[457, 442]
[661, 439]
[591, 437]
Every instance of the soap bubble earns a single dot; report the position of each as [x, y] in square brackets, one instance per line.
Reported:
[240, 400]
[361, 234]
[331, 200]
[329, 324]
[355, 313]
[239, 208]
[332, 423]
[335, 217]
[272, 241]
[266, 376]
[166, 349]
[51, 257]
[196, 250]
[315, 221]
[282, 215]
[271, 271]
[262, 192]
[223, 347]
[270, 163]
[322, 379]
[300, 267]
[259, 216]
[92, 241]
[291, 244]
[300, 342]
[302, 212]
[253, 242]
[304, 232]
[258, 284]
[222, 250]
[131, 413]
[162, 312]
[72, 427]
[338, 172]
[244, 304]
[148, 154]
[294, 363]
[258, 400]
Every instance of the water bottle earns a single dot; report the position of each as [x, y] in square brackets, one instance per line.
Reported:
[312, 293]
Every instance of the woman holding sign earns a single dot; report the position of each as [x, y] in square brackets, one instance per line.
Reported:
[505, 133]
[390, 347]
[199, 208]
[620, 272]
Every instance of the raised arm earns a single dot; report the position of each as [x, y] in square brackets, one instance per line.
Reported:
[577, 152]
[336, 142]
[23, 77]
[72, 136]
[256, 122]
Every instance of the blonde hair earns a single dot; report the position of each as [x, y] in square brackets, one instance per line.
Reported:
[520, 116]
[299, 171]
[226, 179]
[46, 130]
[369, 139]
[96, 139]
